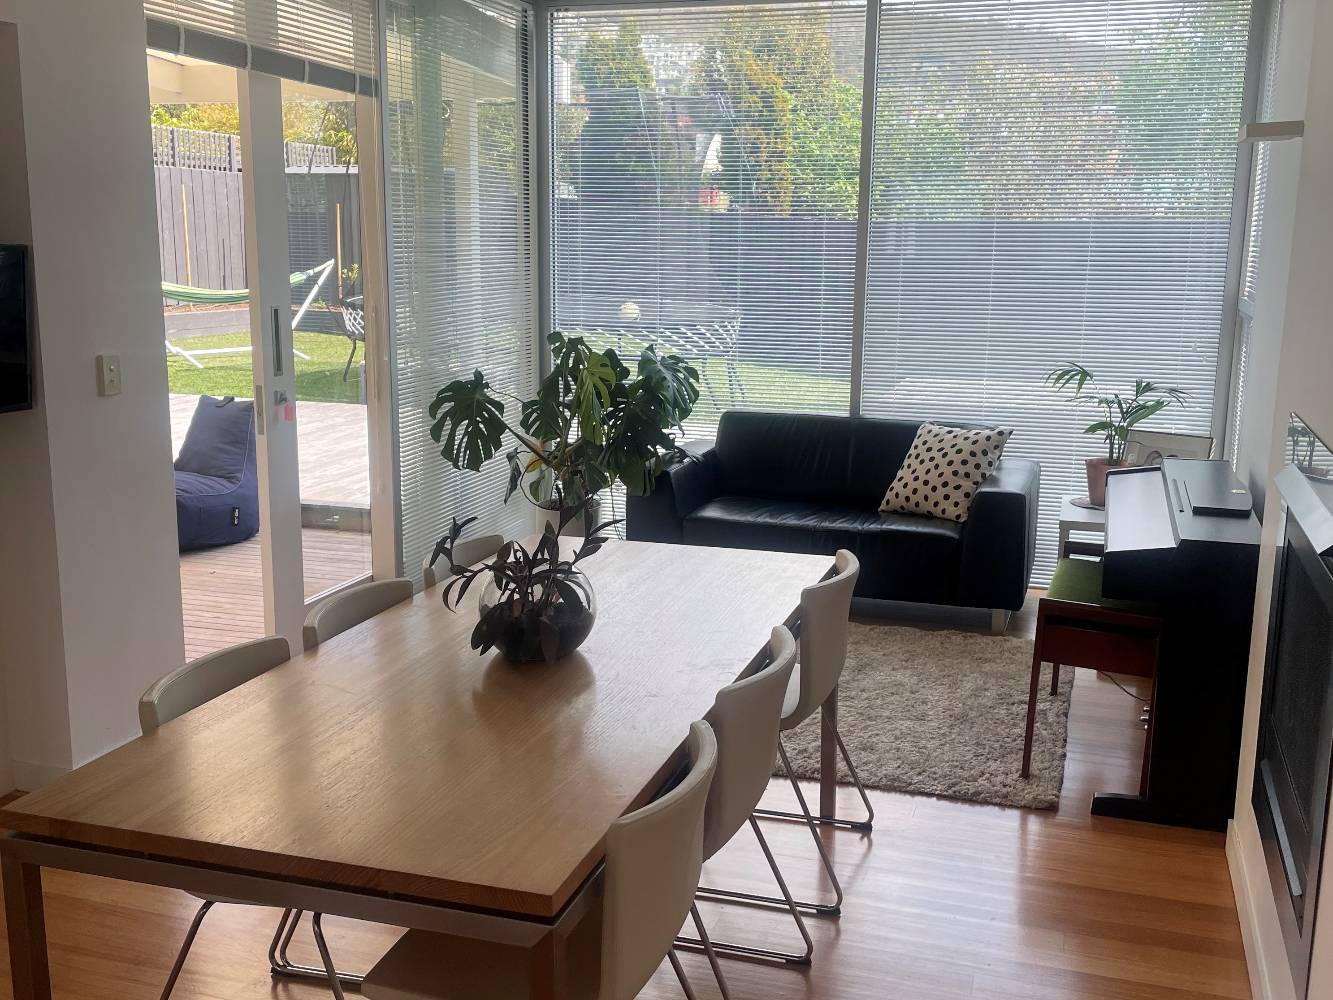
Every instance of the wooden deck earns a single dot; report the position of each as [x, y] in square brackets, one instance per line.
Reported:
[334, 456]
[222, 591]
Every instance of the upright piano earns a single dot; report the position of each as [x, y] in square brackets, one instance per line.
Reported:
[1184, 536]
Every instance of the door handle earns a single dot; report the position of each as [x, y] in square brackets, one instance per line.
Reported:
[279, 364]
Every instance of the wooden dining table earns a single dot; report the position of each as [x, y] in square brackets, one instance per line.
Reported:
[393, 774]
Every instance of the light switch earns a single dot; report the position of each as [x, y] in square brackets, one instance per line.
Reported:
[108, 374]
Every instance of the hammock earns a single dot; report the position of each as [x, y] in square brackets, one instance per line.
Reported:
[235, 296]
[224, 296]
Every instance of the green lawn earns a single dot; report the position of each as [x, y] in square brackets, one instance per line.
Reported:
[320, 378]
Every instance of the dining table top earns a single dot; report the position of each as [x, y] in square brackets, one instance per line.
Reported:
[394, 759]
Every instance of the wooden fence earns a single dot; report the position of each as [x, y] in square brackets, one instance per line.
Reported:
[183, 147]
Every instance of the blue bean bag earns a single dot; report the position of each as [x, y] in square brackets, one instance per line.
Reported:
[217, 482]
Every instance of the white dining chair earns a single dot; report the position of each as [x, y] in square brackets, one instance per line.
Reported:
[825, 614]
[745, 717]
[653, 859]
[352, 606]
[467, 553]
[196, 684]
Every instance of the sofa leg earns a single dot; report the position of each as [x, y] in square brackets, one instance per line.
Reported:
[999, 621]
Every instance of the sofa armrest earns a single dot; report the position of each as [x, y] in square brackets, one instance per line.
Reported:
[681, 488]
[1000, 537]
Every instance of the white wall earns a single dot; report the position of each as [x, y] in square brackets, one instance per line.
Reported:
[92, 497]
[1296, 297]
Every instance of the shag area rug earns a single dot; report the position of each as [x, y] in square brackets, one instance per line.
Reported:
[942, 713]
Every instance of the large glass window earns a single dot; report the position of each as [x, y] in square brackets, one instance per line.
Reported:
[1052, 182]
[459, 244]
[705, 193]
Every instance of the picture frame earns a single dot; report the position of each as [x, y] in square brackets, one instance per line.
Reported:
[1150, 447]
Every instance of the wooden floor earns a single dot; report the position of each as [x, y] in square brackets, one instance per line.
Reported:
[945, 900]
[222, 591]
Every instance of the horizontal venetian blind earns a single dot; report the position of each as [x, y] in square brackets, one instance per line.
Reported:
[705, 175]
[1254, 236]
[1052, 182]
[459, 246]
[335, 35]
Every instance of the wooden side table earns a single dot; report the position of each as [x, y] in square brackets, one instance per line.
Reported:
[1082, 519]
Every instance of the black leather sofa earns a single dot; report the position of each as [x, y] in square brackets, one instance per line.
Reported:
[794, 482]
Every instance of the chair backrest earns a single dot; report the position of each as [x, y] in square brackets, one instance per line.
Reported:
[466, 553]
[745, 718]
[202, 680]
[825, 609]
[653, 859]
[353, 606]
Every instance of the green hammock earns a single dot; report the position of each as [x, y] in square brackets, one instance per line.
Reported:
[224, 296]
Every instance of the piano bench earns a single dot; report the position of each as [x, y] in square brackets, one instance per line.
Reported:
[1079, 627]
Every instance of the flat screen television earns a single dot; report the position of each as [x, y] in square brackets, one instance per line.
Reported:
[15, 330]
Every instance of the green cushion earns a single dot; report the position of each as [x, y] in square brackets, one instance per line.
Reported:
[1080, 581]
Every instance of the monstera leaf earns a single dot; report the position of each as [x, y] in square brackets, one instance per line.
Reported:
[670, 385]
[468, 422]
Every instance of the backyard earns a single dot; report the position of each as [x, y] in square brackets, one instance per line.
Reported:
[319, 379]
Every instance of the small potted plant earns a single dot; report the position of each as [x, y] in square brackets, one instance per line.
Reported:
[592, 422]
[535, 605]
[1117, 413]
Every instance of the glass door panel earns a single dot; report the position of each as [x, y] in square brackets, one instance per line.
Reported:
[328, 333]
[197, 171]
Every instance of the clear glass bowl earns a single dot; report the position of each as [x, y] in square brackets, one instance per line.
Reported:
[552, 625]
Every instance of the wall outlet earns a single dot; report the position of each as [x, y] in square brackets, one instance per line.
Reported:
[108, 374]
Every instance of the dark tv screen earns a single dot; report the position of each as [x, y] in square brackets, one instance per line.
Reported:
[15, 341]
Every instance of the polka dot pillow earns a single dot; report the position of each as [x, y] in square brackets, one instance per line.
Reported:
[943, 468]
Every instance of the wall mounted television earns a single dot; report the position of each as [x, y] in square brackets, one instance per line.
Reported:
[15, 330]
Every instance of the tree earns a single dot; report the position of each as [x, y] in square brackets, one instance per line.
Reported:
[320, 123]
[620, 94]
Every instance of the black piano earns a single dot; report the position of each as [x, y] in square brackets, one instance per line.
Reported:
[1185, 537]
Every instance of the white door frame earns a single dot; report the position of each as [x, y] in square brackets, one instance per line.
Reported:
[266, 260]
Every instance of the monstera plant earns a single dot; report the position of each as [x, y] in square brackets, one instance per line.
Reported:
[593, 421]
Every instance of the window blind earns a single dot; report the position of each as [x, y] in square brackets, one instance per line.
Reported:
[705, 187]
[1254, 230]
[1052, 181]
[459, 243]
[328, 41]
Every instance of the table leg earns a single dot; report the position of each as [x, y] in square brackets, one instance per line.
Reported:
[26, 924]
[828, 757]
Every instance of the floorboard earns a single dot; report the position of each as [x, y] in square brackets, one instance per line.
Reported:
[222, 591]
[945, 900]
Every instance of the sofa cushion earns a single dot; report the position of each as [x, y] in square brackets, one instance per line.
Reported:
[940, 475]
[809, 456]
[902, 557]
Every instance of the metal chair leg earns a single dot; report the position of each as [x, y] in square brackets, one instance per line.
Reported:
[705, 944]
[282, 966]
[746, 951]
[818, 909]
[866, 824]
[330, 972]
[680, 974]
[185, 948]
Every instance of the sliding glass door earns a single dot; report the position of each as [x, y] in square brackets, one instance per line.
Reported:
[299, 332]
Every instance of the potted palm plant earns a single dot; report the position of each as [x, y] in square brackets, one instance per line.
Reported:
[1117, 412]
[593, 421]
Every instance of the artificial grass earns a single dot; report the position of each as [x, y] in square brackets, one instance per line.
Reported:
[319, 379]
